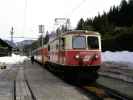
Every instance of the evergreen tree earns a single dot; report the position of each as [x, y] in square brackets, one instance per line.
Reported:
[88, 25]
[80, 25]
[113, 15]
[130, 12]
[123, 13]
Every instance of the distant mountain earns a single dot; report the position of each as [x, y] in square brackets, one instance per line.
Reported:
[25, 42]
[10, 43]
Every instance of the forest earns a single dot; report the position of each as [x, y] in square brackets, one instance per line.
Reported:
[115, 26]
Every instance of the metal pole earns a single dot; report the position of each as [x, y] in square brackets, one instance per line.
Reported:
[41, 30]
[42, 39]
[12, 31]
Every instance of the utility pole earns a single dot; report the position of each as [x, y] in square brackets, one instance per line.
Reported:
[41, 30]
[12, 32]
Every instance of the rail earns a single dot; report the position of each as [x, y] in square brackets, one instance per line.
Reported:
[101, 92]
[31, 92]
[14, 89]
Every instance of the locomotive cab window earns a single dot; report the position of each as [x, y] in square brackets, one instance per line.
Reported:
[92, 42]
[79, 42]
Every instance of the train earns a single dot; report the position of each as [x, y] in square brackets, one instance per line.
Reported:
[74, 54]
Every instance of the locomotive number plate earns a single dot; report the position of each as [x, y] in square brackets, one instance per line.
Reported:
[87, 58]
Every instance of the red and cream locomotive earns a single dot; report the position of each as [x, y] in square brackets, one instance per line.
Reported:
[75, 54]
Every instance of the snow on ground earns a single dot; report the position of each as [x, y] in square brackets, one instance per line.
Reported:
[123, 57]
[13, 59]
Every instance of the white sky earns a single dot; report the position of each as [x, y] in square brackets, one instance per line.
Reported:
[26, 15]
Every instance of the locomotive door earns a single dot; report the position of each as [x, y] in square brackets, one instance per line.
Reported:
[61, 50]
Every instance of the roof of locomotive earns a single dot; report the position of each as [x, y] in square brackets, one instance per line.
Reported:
[82, 32]
[54, 35]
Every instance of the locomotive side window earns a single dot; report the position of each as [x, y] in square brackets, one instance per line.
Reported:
[79, 42]
[48, 47]
[63, 43]
[92, 42]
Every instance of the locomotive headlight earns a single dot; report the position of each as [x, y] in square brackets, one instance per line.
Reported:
[77, 56]
[96, 56]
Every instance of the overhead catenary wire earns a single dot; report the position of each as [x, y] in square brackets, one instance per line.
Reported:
[76, 8]
[25, 16]
[73, 10]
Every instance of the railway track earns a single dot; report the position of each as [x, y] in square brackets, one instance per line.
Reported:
[96, 91]
[33, 97]
[30, 89]
[14, 90]
[8, 85]
[14, 97]
[117, 71]
[21, 89]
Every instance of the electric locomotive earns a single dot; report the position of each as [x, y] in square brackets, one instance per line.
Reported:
[74, 54]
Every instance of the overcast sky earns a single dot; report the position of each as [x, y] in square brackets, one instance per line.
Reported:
[26, 15]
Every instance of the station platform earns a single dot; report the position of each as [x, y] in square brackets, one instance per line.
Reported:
[35, 82]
